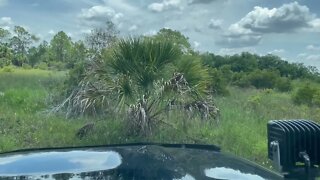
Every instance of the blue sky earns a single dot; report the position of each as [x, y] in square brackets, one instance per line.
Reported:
[286, 28]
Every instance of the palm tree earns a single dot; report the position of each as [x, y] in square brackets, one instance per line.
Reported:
[142, 77]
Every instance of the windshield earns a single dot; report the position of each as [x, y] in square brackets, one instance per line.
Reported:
[98, 72]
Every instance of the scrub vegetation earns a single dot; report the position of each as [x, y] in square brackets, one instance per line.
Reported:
[107, 89]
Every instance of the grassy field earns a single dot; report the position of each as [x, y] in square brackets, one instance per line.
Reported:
[26, 123]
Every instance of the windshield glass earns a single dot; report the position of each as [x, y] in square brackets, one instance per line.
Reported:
[98, 72]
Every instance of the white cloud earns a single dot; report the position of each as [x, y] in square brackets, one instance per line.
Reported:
[133, 28]
[215, 23]
[196, 44]
[51, 32]
[315, 25]
[309, 57]
[276, 51]
[99, 14]
[164, 5]
[86, 31]
[150, 33]
[6, 22]
[288, 18]
[312, 47]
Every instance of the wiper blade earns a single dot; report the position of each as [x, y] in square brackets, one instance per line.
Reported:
[167, 145]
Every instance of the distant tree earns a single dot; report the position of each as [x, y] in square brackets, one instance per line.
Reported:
[245, 62]
[60, 47]
[263, 79]
[38, 54]
[20, 44]
[5, 55]
[102, 37]
[78, 54]
[174, 36]
[4, 36]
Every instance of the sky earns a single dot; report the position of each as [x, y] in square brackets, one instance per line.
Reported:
[289, 29]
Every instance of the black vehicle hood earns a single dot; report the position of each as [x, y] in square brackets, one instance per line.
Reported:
[129, 162]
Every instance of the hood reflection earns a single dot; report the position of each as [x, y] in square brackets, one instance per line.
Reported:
[59, 162]
[227, 173]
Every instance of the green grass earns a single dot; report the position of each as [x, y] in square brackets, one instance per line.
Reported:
[25, 122]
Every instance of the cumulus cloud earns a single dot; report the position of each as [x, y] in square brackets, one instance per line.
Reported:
[133, 28]
[51, 32]
[150, 32]
[288, 18]
[276, 51]
[215, 24]
[164, 5]
[309, 57]
[99, 14]
[196, 44]
[312, 47]
[6, 22]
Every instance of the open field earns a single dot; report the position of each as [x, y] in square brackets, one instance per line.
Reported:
[26, 123]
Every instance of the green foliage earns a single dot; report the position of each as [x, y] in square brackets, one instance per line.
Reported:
[42, 66]
[4, 35]
[195, 73]
[263, 79]
[26, 66]
[60, 47]
[140, 77]
[8, 69]
[218, 82]
[143, 60]
[240, 79]
[101, 38]
[306, 94]
[175, 37]
[283, 84]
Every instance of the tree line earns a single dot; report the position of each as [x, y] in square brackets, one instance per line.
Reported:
[23, 49]
[207, 72]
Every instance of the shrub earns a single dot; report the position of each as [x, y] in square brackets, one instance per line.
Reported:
[42, 66]
[305, 95]
[283, 84]
[240, 79]
[218, 83]
[8, 69]
[263, 79]
[58, 66]
[26, 66]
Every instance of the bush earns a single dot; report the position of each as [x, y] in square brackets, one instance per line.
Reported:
[8, 69]
[240, 79]
[26, 66]
[4, 62]
[58, 66]
[218, 83]
[263, 79]
[42, 66]
[283, 84]
[307, 94]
